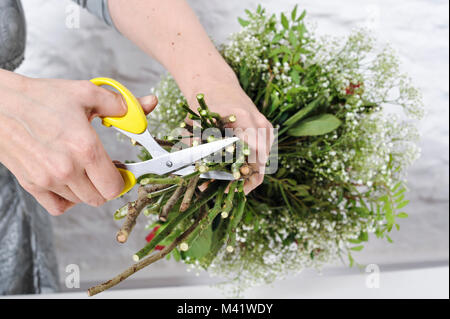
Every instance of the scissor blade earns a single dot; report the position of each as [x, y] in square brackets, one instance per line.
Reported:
[217, 175]
[177, 160]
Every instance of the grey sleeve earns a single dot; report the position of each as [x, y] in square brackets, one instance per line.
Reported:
[99, 8]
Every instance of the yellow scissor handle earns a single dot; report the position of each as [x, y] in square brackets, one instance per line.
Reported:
[129, 179]
[135, 120]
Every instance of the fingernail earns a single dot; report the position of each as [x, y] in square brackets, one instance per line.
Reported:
[148, 100]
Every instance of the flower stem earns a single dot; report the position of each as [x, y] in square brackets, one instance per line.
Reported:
[145, 262]
[172, 180]
[212, 214]
[171, 203]
[236, 218]
[207, 195]
[189, 194]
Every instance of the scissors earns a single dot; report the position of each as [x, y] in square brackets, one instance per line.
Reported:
[134, 125]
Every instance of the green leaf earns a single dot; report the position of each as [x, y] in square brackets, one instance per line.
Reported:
[294, 13]
[281, 172]
[301, 30]
[364, 236]
[277, 38]
[402, 215]
[301, 190]
[248, 217]
[283, 194]
[397, 186]
[244, 77]
[400, 199]
[299, 68]
[296, 58]
[403, 204]
[400, 192]
[390, 217]
[384, 199]
[259, 9]
[282, 49]
[243, 22]
[293, 39]
[361, 211]
[351, 260]
[201, 246]
[316, 125]
[303, 112]
[357, 248]
[295, 77]
[284, 21]
[176, 254]
[302, 16]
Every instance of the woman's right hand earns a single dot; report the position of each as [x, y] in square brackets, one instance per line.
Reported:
[48, 143]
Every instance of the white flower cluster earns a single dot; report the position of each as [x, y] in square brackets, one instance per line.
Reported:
[169, 114]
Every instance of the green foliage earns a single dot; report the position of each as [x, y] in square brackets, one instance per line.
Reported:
[316, 125]
[201, 246]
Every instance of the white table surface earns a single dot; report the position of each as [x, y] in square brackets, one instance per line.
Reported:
[430, 282]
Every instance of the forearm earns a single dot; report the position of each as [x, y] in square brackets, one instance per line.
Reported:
[12, 81]
[171, 33]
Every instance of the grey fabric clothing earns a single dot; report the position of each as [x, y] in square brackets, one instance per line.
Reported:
[12, 34]
[27, 258]
[99, 8]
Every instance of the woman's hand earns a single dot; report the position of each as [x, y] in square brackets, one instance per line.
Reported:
[228, 98]
[48, 143]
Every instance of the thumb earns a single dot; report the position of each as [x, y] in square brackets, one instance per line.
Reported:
[104, 102]
[148, 103]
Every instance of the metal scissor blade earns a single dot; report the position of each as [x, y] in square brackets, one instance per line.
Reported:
[177, 160]
[218, 175]
[147, 141]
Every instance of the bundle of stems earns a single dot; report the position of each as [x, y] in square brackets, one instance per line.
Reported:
[187, 206]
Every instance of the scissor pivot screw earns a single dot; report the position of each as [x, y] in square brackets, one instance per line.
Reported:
[169, 164]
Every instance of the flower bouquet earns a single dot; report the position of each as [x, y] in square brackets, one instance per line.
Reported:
[344, 118]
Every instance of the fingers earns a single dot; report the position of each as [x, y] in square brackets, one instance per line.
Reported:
[103, 102]
[148, 103]
[259, 136]
[53, 203]
[100, 170]
[86, 191]
[66, 193]
[98, 165]
[254, 181]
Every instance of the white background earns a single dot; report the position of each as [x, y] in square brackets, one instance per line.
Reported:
[418, 29]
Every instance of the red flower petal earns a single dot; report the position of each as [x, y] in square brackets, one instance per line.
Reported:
[152, 234]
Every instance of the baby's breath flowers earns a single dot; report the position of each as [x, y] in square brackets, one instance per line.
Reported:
[346, 120]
